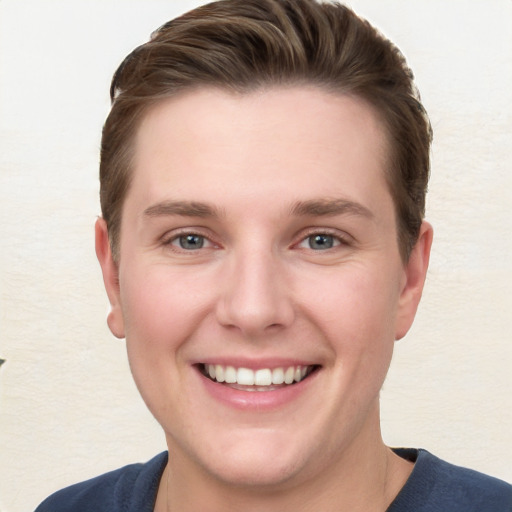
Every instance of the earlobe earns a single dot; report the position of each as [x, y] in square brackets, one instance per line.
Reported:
[110, 272]
[415, 274]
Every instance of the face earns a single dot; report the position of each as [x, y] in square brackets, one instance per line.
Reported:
[260, 287]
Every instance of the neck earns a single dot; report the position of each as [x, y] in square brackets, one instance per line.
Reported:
[366, 477]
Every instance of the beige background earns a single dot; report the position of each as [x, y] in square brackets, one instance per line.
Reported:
[68, 408]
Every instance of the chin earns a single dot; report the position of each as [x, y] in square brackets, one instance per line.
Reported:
[249, 472]
[263, 459]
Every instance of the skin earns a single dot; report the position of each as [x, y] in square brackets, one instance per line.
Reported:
[259, 290]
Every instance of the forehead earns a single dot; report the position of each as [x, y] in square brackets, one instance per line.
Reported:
[296, 140]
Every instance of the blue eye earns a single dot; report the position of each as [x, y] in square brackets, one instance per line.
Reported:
[321, 242]
[190, 242]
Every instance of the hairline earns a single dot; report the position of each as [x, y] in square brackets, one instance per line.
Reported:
[388, 152]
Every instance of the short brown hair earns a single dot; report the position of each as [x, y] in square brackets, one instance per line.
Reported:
[243, 45]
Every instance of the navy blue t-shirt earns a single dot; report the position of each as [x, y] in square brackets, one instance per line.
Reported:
[434, 486]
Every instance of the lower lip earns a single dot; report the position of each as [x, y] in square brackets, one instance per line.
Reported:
[257, 400]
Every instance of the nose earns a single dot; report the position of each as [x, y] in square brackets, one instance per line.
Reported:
[256, 297]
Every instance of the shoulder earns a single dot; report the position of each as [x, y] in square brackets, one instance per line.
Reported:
[129, 488]
[437, 486]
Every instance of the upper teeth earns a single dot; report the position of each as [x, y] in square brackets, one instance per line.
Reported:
[261, 377]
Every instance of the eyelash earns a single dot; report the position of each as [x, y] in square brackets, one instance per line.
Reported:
[169, 241]
[338, 240]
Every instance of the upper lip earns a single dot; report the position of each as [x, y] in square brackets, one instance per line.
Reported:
[255, 364]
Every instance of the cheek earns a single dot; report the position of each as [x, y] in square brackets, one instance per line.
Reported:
[160, 312]
[358, 301]
[357, 312]
[157, 302]
[160, 316]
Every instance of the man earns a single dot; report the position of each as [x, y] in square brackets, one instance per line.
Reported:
[263, 177]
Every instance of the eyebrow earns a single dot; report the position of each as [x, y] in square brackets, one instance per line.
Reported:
[182, 208]
[312, 207]
[330, 207]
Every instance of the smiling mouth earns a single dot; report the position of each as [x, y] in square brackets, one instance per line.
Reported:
[263, 379]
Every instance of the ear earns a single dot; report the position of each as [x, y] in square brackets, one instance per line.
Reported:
[110, 272]
[415, 273]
